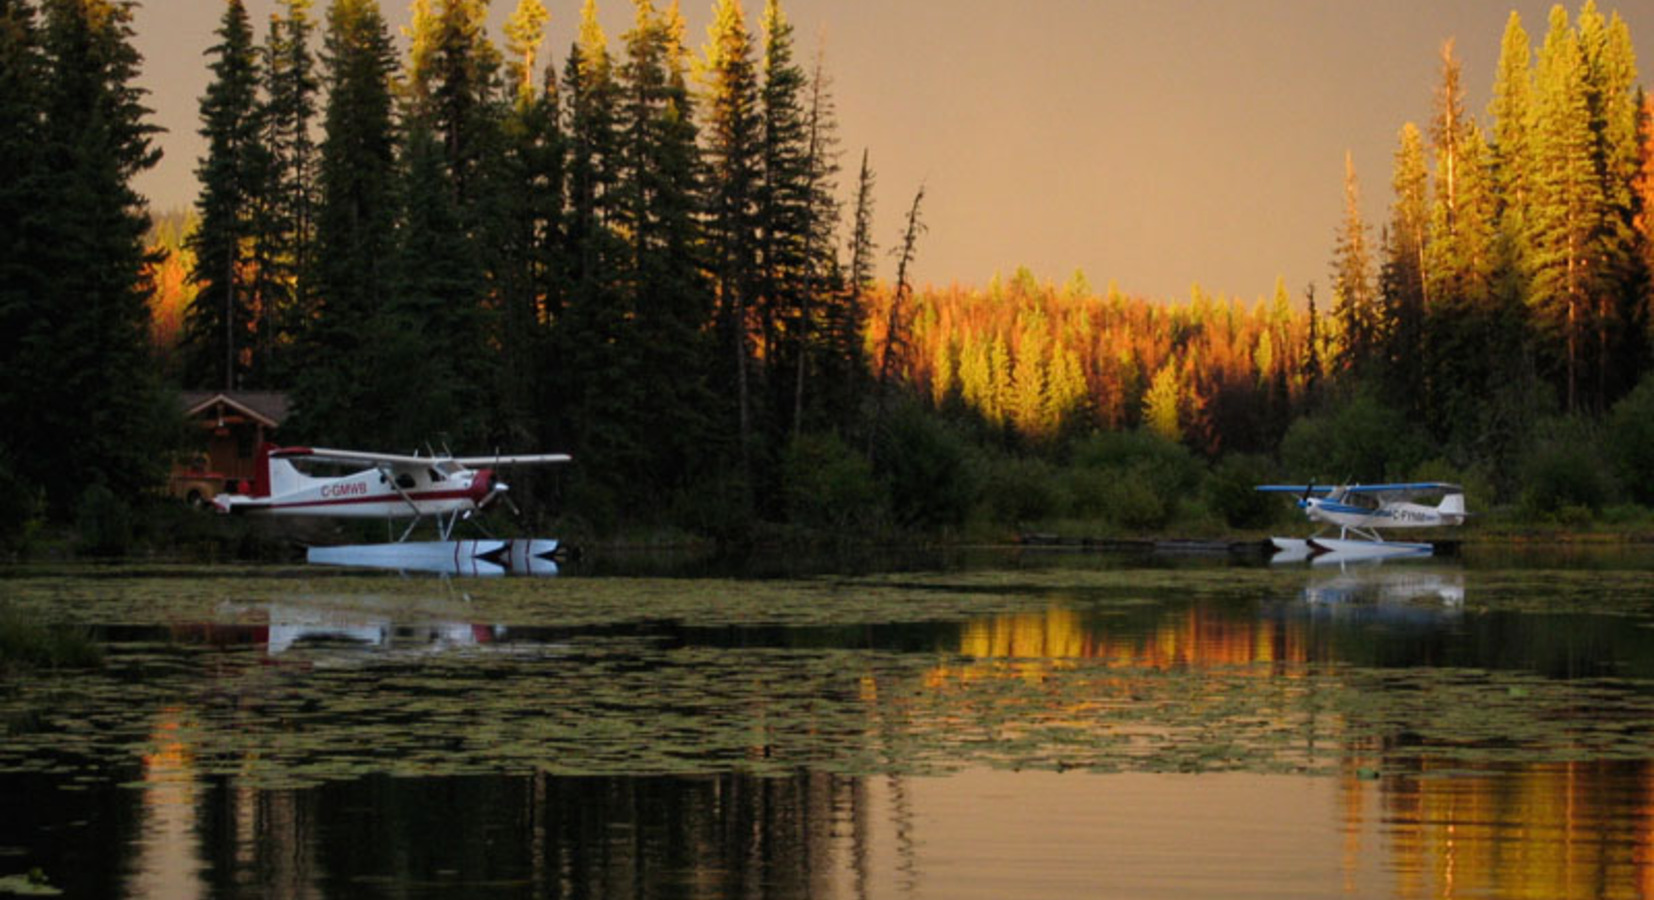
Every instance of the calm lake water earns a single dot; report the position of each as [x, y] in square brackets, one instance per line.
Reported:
[1031, 726]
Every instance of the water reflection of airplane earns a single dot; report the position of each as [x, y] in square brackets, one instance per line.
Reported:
[354, 623]
[292, 626]
[1377, 586]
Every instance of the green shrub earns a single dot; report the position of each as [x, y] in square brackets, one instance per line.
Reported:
[924, 462]
[720, 507]
[1564, 472]
[1020, 490]
[1087, 492]
[1231, 491]
[828, 485]
[22, 505]
[1358, 440]
[1168, 467]
[103, 522]
[1133, 503]
[1631, 441]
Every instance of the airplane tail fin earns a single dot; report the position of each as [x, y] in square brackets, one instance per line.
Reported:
[273, 475]
[1452, 505]
[261, 472]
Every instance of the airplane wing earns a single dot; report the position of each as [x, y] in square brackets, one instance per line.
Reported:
[1300, 489]
[402, 461]
[1406, 488]
[352, 457]
[471, 462]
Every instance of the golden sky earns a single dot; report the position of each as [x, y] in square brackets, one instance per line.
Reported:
[1153, 143]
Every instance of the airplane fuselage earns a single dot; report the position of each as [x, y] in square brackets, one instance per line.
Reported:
[370, 494]
[1390, 515]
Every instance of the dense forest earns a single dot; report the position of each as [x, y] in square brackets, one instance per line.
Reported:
[652, 256]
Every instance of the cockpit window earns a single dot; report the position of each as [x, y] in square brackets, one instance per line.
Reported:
[404, 480]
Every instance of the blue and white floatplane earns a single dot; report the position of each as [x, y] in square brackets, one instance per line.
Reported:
[1362, 510]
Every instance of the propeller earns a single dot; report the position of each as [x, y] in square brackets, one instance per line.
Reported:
[499, 490]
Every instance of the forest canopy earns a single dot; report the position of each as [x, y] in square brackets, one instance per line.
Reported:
[646, 250]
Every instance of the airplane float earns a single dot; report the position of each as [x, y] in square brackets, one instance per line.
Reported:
[444, 488]
[1364, 509]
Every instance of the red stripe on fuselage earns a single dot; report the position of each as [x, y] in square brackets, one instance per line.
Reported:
[397, 499]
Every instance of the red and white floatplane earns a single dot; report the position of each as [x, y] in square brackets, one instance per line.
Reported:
[443, 488]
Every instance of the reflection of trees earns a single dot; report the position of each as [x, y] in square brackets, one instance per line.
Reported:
[1573, 829]
[1194, 637]
[720, 836]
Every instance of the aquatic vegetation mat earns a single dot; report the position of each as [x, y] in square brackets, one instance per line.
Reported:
[287, 681]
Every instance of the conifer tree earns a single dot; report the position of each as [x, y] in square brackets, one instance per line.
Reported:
[664, 294]
[1161, 404]
[525, 31]
[21, 125]
[1567, 205]
[1512, 162]
[819, 294]
[733, 154]
[1029, 400]
[1612, 99]
[844, 355]
[220, 323]
[288, 208]
[1352, 278]
[1402, 277]
[897, 324]
[1312, 360]
[454, 74]
[93, 413]
[456, 98]
[591, 95]
[591, 330]
[355, 220]
[428, 325]
[784, 202]
[1447, 133]
[529, 270]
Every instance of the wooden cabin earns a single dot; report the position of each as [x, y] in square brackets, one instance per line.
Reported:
[232, 426]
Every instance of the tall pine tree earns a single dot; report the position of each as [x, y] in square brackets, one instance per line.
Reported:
[92, 412]
[1355, 306]
[784, 210]
[734, 156]
[220, 323]
[528, 270]
[287, 221]
[1566, 209]
[22, 124]
[355, 222]
[1402, 276]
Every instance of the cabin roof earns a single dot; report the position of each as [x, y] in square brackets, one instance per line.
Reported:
[268, 408]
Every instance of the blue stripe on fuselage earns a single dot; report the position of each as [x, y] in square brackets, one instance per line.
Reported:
[1343, 509]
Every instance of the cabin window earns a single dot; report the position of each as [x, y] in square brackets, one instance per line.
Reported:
[404, 481]
[436, 476]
